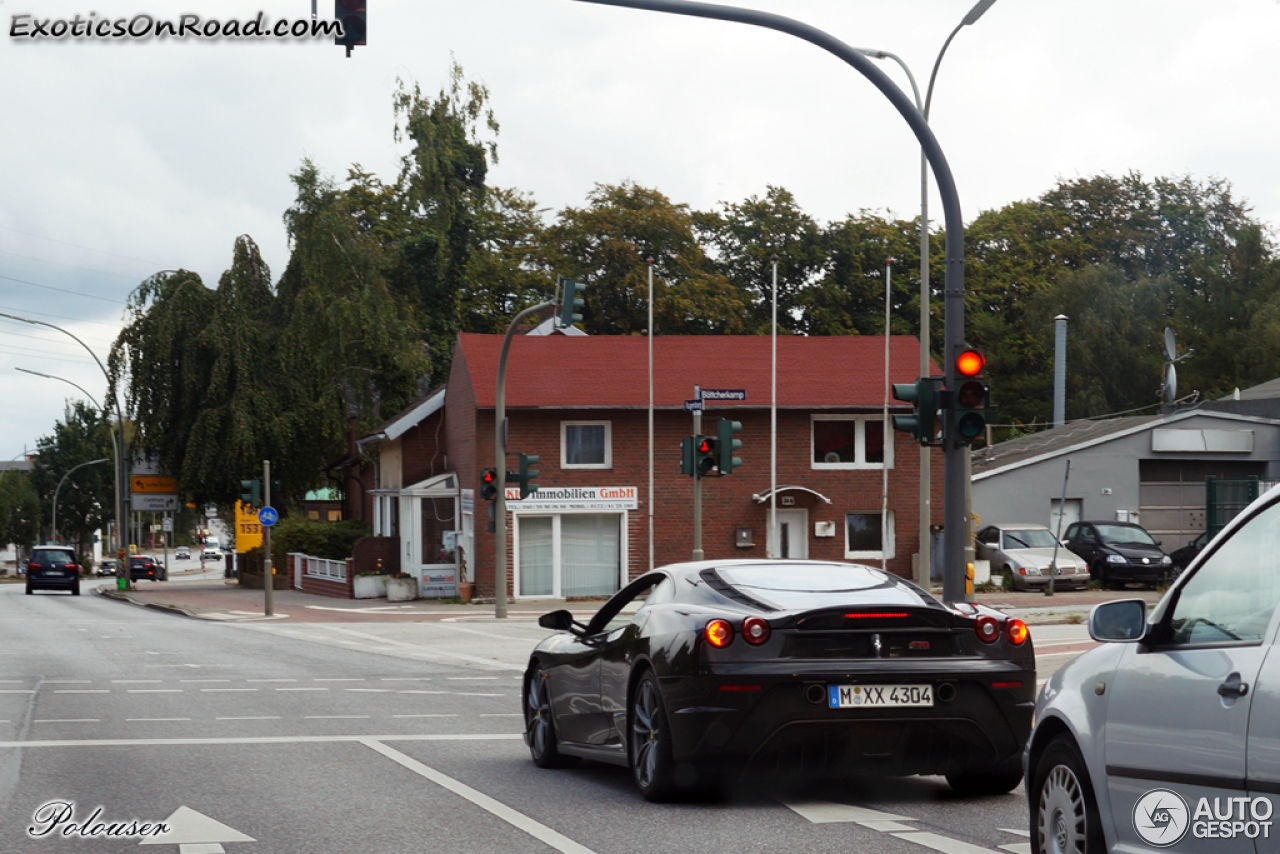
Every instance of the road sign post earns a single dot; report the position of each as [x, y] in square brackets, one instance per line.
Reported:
[268, 581]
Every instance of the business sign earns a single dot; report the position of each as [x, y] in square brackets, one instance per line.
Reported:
[153, 483]
[438, 582]
[248, 531]
[724, 394]
[154, 501]
[554, 498]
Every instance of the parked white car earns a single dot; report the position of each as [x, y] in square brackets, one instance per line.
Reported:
[1023, 554]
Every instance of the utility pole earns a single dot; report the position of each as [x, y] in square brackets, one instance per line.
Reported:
[697, 480]
[268, 581]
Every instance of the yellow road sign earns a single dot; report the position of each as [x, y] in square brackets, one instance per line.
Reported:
[248, 531]
[152, 483]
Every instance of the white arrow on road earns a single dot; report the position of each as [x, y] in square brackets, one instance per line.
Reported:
[196, 833]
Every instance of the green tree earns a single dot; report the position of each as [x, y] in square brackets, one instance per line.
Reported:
[505, 271]
[85, 501]
[606, 244]
[20, 511]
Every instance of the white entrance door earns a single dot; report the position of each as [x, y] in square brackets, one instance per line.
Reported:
[789, 537]
[1070, 513]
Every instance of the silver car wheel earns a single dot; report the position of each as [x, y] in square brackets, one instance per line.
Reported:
[1062, 815]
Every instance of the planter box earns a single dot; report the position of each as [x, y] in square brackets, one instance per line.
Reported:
[402, 589]
[370, 587]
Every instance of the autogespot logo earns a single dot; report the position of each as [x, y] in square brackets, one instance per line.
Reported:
[1161, 818]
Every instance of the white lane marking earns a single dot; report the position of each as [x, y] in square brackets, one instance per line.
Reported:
[422, 692]
[944, 844]
[886, 826]
[302, 689]
[226, 690]
[10, 681]
[82, 691]
[332, 717]
[146, 720]
[336, 679]
[283, 739]
[68, 681]
[406, 678]
[471, 694]
[64, 721]
[472, 678]
[371, 690]
[136, 681]
[271, 680]
[1016, 832]
[17, 691]
[251, 718]
[498, 809]
[154, 691]
[1017, 848]
[824, 812]
[420, 716]
[193, 681]
[504, 715]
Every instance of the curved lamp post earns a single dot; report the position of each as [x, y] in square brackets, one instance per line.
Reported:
[953, 287]
[122, 449]
[926, 498]
[59, 489]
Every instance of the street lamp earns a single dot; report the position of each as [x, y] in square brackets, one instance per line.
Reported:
[926, 517]
[115, 445]
[59, 489]
[122, 453]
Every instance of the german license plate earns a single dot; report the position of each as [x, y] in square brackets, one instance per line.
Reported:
[878, 696]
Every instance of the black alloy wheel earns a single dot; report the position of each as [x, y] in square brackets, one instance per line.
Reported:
[650, 748]
[1065, 813]
[997, 780]
[539, 728]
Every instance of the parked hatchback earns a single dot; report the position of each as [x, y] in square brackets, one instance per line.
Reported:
[53, 568]
[1169, 733]
[1119, 553]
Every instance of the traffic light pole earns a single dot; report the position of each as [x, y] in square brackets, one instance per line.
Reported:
[500, 463]
[697, 481]
[954, 521]
[268, 581]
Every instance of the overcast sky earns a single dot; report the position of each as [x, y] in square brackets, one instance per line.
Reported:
[124, 157]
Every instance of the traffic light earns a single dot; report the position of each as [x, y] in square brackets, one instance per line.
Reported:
[527, 474]
[687, 464]
[351, 14]
[726, 445]
[704, 452]
[571, 302]
[251, 492]
[489, 484]
[925, 394]
[972, 401]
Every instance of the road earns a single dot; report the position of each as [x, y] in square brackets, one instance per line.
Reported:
[375, 736]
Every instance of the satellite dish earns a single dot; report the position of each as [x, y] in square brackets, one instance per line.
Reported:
[1170, 384]
[1169, 349]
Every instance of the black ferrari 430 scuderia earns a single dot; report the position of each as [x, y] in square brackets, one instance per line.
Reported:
[698, 672]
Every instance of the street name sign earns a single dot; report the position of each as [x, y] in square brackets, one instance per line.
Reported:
[724, 394]
[693, 406]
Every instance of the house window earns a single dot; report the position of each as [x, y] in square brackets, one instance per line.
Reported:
[570, 554]
[586, 445]
[848, 442]
[864, 537]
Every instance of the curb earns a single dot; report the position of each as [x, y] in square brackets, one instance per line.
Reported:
[155, 606]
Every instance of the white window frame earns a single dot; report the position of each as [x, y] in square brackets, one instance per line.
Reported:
[608, 445]
[890, 538]
[623, 547]
[860, 443]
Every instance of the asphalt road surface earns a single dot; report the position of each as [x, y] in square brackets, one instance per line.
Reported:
[372, 738]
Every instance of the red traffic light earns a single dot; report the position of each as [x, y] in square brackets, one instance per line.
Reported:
[705, 447]
[970, 363]
[490, 476]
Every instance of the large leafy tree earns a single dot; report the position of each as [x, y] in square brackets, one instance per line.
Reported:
[609, 243]
[19, 509]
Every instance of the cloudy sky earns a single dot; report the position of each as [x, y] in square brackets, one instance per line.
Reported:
[123, 157]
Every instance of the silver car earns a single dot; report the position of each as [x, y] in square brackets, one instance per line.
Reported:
[1023, 554]
[1169, 733]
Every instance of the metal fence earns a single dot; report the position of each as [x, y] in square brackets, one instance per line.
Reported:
[1223, 499]
[318, 567]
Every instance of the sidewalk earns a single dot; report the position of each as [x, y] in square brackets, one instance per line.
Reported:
[223, 601]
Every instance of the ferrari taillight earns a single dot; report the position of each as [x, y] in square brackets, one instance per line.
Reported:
[719, 633]
[988, 629]
[1016, 632]
[755, 630]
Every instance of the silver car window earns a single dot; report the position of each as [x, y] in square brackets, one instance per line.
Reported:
[1232, 596]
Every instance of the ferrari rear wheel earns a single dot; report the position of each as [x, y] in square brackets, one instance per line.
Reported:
[1066, 814]
[540, 729]
[996, 780]
[651, 760]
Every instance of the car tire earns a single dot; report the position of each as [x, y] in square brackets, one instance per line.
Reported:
[75, 591]
[1063, 803]
[29, 590]
[997, 780]
[649, 745]
[540, 727]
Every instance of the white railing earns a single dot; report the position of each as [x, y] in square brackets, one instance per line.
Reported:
[318, 567]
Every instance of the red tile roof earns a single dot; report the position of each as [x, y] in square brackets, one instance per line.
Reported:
[611, 371]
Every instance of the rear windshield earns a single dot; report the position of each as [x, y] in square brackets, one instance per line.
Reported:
[814, 586]
[52, 556]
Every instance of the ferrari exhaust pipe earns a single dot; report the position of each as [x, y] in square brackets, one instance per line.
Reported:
[946, 692]
[816, 694]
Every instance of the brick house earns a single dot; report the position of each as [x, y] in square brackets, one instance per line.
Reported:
[581, 404]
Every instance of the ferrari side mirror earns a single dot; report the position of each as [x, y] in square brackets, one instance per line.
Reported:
[560, 621]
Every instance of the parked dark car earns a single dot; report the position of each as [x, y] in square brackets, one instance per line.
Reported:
[696, 673]
[107, 567]
[53, 568]
[1182, 557]
[146, 566]
[1119, 553]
